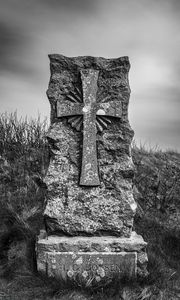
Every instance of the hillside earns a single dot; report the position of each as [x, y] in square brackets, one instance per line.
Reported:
[23, 162]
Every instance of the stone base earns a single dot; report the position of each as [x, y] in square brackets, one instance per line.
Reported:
[92, 260]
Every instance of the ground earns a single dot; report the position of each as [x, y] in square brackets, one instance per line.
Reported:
[23, 163]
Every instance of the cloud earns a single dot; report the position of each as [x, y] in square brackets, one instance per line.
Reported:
[13, 42]
[146, 31]
[24, 25]
[70, 5]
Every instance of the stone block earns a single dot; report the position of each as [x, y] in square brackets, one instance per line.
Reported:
[90, 207]
[97, 136]
[90, 260]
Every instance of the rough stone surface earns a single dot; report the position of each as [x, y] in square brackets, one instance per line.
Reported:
[92, 259]
[90, 266]
[73, 209]
[92, 244]
[90, 206]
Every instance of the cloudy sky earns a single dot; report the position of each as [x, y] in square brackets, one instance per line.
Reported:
[148, 31]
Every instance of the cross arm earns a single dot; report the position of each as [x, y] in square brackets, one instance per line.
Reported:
[111, 109]
[67, 108]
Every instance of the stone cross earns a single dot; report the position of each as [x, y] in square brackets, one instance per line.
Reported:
[89, 108]
[90, 228]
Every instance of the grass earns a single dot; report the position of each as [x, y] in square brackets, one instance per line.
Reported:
[23, 163]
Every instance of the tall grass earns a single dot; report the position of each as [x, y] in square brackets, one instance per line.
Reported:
[23, 163]
[22, 138]
[23, 154]
[24, 159]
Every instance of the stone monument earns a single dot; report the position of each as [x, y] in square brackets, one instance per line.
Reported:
[90, 206]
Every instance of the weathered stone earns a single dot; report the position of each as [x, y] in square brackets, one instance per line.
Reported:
[90, 205]
[142, 261]
[108, 208]
[89, 172]
[97, 258]
[90, 267]
[92, 244]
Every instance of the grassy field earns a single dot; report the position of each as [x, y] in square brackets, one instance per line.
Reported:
[23, 163]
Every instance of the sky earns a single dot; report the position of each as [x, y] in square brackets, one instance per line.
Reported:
[148, 31]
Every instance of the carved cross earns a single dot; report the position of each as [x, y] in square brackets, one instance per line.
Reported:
[75, 108]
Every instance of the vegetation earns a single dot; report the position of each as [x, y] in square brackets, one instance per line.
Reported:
[23, 163]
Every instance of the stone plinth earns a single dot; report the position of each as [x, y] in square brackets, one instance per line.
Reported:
[91, 260]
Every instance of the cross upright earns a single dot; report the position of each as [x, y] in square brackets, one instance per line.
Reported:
[89, 109]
